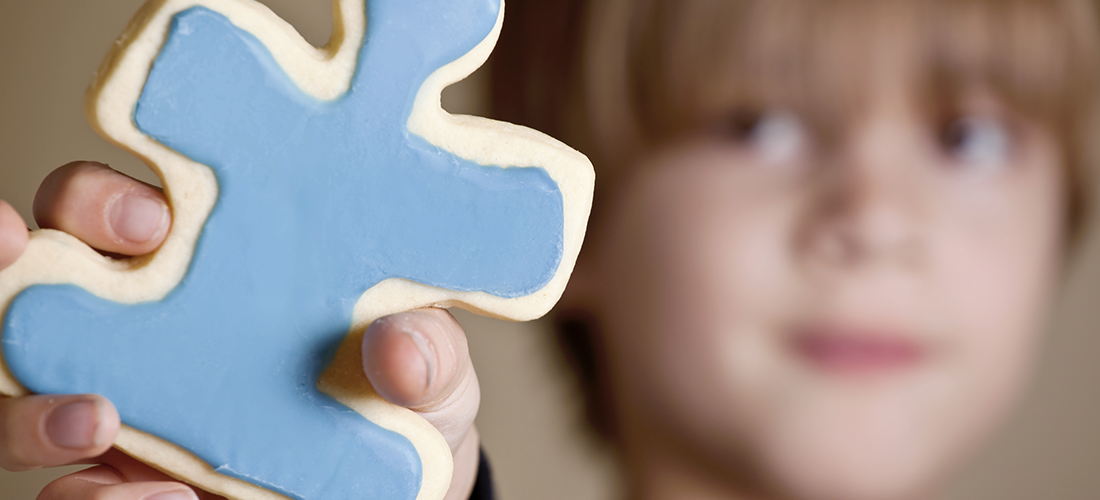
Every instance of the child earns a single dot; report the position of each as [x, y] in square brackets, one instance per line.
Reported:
[825, 235]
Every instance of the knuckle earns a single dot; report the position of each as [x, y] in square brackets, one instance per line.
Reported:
[79, 167]
[64, 177]
[52, 491]
[13, 454]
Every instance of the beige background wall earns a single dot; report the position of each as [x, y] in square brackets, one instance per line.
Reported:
[48, 51]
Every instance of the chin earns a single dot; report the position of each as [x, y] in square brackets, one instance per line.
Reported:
[842, 478]
[841, 456]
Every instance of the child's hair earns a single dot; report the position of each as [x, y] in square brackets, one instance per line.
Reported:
[613, 77]
[616, 77]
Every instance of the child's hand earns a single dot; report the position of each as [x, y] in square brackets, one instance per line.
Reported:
[13, 234]
[108, 210]
[420, 360]
[417, 359]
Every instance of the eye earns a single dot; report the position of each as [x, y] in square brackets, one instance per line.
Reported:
[982, 143]
[773, 136]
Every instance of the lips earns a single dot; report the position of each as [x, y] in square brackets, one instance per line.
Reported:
[857, 351]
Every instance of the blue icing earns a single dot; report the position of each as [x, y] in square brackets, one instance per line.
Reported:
[318, 201]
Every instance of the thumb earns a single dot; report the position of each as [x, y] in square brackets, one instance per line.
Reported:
[421, 360]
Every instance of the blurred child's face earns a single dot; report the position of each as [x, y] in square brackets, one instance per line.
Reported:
[836, 317]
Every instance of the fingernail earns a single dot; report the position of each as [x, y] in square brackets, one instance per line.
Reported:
[75, 425]
[173, 495]
[137, 218]
[425, 349]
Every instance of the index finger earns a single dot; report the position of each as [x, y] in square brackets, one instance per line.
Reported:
[46, 431]
[104, 208]
[13, 234]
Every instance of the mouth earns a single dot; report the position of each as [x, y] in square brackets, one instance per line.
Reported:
[856, 351]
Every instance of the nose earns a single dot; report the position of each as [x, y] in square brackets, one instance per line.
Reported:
[863, 210]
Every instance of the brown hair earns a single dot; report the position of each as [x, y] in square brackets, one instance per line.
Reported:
[613, 77]
[616, 77]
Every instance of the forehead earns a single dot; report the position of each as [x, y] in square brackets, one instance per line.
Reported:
[828, 55]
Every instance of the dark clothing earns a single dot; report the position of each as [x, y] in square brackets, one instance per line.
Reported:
[483, 486]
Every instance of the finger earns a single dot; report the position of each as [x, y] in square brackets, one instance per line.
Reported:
[467, 457]
[45, 431]
[13, 234]
[130, 469]
[421, 360]
[104, 482]
[104, 208]
[117, 467]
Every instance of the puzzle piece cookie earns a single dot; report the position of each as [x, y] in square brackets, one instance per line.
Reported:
[313, 190]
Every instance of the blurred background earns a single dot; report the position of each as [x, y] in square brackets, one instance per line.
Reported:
[49, 50]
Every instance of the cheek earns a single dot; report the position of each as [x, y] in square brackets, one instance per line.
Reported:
[722, 259]
[995, 271]
[699, 276]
